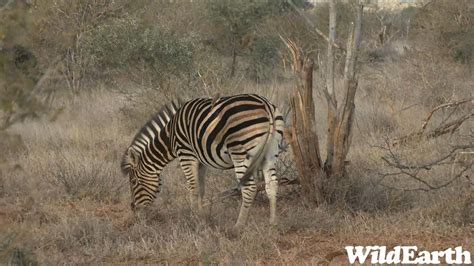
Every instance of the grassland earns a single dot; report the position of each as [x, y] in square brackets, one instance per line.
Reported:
[63, 199]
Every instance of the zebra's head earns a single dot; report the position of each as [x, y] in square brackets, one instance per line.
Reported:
[144, 181]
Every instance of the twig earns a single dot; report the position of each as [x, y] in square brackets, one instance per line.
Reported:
[445, 105]
[6, 5]
[235, 191]
[441, 129]
[413, 171]
[428, 185]
[427, 166]
[318, 31]
[449, 127]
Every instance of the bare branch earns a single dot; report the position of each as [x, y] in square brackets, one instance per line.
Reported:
[330, 90]
[394, 161]
[450, 127]
[413, 171]
[345, 114]
[428, 187]
[442, 129]
[445, 105]
[318, 31]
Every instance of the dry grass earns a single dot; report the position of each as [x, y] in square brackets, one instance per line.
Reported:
[68, 203]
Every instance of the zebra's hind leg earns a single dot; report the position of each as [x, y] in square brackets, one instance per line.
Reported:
[271, 186]
[200, 186]
[248, 190]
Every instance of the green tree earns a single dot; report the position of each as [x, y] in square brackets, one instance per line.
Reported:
[234, 23]
[127, 44]
[61, 31]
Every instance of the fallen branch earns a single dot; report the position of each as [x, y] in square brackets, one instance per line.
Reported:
[235, 191]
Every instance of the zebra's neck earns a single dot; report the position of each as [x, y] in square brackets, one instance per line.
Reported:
[154, 141]
[154, 148]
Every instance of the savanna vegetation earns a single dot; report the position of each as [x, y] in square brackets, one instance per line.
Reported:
[79, 78]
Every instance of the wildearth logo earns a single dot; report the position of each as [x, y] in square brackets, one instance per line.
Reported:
[407, 255]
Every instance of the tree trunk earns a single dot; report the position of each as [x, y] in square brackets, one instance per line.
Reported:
[343, 131]
[303, 137]
[318, 181]
[331, 92]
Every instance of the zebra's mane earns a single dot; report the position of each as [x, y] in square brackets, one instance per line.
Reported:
[155, 124]
[160, 119]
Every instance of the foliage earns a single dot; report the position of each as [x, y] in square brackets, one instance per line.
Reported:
[446, 28]
[263, 57]
[235, 23]
[126, 44]
[61, 32]
[19, 73]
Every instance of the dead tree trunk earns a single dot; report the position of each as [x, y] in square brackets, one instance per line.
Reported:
[345, 113]
[302, 133]
[313, 176]
[330, 90]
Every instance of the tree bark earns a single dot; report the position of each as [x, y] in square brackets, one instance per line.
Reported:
[317, 181]
[343, 130]
[331, 93]
[303, 137]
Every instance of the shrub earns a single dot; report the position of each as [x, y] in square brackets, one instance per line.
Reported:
[263, 57]
[446, 28]
[18, 68]
[125, 44]
[82, 178]
[14, 250]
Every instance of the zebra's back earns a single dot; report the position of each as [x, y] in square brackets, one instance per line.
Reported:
[216, 132]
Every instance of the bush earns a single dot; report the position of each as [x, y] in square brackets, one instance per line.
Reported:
[263, 57]
[125, 44]
[237, 26]
[82, 178]
[446, 28]
[14, 250]
[18, 68]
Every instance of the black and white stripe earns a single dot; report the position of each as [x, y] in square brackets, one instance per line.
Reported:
[240, 132]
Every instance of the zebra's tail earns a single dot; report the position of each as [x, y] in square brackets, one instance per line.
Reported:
[258, 159]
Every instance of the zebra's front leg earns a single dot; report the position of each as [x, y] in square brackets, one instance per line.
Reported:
[191, 172]
[248, 190]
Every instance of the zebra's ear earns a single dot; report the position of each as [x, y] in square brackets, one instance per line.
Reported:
[133, 156]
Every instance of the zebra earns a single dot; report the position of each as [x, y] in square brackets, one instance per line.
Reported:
[242, 132]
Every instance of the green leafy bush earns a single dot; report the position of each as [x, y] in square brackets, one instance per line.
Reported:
[263, 57]
[126, 44]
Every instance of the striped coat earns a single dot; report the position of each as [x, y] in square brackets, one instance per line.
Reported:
[242, 132]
